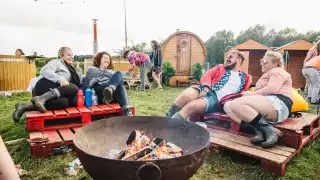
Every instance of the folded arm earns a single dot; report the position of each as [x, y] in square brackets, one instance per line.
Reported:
[275, 82]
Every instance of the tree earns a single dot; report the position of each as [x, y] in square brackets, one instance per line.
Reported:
[257, 33]
[313, 36]
[286, 36]
[140, 47]
[217, 45]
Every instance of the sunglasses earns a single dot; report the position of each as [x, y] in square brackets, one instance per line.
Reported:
[263, 61]
[231, 56]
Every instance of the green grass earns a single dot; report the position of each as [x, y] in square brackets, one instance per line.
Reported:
[220, 165]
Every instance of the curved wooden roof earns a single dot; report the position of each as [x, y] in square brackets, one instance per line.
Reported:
[251, 45]
[191, 34]
[297, 45]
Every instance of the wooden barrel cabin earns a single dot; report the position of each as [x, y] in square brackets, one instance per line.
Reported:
[183, 49]
[294, 54]
[253, 52]
[16, 73]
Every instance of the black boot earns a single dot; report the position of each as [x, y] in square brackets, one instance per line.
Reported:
[127, 112]
[269, 132]
[173, 109]
[39, 101]
[108, 94]
[21, 108]
[258, 136]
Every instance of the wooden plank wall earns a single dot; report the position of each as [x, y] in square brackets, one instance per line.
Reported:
[15, 73]
[119, 64]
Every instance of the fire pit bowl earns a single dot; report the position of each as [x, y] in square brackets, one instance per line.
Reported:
[93, 142]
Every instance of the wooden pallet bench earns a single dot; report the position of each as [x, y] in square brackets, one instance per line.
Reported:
[274, 160]
[70, 117]
[297, 132]
[57, 139]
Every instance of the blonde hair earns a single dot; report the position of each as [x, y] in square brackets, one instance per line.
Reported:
[62, 51]
[276, 58]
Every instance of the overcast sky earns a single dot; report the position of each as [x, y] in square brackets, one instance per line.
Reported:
[45, 26]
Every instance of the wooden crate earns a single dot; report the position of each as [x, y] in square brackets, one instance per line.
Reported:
[71, 117]
[274, 160]
[56, 139]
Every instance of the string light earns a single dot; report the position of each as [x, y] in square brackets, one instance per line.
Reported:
[61, 2]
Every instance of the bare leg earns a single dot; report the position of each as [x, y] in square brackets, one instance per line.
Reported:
[193, 107]
[186, 96]
[227, 108]
[247, 108]
[7, 168]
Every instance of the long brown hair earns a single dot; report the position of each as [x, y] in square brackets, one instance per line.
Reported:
[98, 57]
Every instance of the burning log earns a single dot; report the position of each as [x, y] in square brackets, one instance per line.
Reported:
[141, 148]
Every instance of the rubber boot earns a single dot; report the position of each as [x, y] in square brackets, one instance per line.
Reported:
[108, 94]
[21, 108]
[39, 101]
[177, 116]
[127, 112]
[269, 132]
[173, 109]
[258, 136]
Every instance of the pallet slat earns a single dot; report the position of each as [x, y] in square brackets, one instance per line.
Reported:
[46, 114]
[115, 107]
[249, 150]
[106, 108]
[280, 150]
[66, 134]
[32, 114]
[53, 136]
[297, 123]
[72, 110]
[33, 135]
[83, 109]
[59, 112]
[95, 109]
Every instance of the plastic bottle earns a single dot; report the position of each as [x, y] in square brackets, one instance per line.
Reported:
[88, 99]
[80, 101]
[94, 98]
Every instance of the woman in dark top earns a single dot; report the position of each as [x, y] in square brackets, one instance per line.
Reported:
[107, 83]
[157, 63]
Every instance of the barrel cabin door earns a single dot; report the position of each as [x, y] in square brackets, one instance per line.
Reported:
[184, 54]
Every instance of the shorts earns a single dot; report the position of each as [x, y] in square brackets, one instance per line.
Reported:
[280, 107]
[210, 99]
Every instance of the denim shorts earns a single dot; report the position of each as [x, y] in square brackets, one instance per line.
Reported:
[210, 99]
[280, 107]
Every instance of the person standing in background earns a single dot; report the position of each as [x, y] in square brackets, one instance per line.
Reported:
[157, 63]
[310, 71]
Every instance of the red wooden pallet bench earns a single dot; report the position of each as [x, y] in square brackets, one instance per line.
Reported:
[56, 139]
[297, 132]
[71, 117]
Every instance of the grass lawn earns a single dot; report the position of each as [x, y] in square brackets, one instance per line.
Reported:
[225, 165]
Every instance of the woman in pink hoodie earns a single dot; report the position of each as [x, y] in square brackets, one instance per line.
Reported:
[270, 103]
